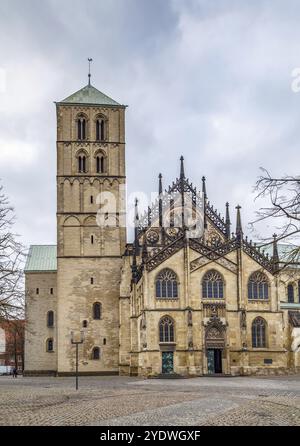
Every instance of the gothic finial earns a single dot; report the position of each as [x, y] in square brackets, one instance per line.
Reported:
[144, 251]
[136, 210]
[275, 257]
[90, 60]
[160, 199]
[160, 184]
[149, 216]
[136, 223]
[204, 187]
[227, 221]
[239, 230]
[181, 167]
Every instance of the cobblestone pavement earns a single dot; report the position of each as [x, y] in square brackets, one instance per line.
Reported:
[133, 401]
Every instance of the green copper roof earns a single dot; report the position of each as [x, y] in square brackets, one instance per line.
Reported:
[89, 95]
[41, 258]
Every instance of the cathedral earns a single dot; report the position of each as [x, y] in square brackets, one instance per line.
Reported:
[190, 296]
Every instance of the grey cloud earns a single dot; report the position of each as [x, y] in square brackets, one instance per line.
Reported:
[209, 80]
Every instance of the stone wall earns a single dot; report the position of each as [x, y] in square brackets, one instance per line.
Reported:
[37, 359]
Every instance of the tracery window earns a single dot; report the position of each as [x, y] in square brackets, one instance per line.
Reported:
[258, 286]
[212, 285]
[81, 127]
[166, 329]
[97, 310]
[290, 293]
[166, 284]
[259, 333]
[96, 353]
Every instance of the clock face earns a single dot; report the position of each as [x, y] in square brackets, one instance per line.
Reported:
[152, 237]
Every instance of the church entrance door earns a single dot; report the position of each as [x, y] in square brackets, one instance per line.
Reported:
[214, 361]
[167, 362]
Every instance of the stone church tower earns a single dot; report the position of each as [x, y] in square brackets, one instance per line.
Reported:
[91, 236]
[90, 161]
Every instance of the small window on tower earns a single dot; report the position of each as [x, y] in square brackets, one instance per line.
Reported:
[81, 164]
[100, 128]
[49, 345]
[92, 239]
[51, 290]
[92, 280]
[81, 127]
[104, 341]
[37, 291]
[92, 199]
[100, 164]
[50, 319]
[84, 324]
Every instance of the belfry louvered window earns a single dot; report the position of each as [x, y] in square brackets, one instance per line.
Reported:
[81, 127]
[100, 129]
[81, 163]
[100, 164]
[212, 285]
[166, 284]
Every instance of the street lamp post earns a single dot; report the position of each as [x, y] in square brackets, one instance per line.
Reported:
[76, 343]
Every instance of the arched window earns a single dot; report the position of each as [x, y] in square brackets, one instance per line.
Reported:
[100, 129]
[212, 285]
[97, 310]
[258, 286]
[259, 333]
[166, 284]
[290, 293]
[81, 163]
[50, 318]
[81, 127]
[49, 345]
[166, 329]
[96, 353]
[100, 164]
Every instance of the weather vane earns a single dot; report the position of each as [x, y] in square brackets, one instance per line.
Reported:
[90, 60]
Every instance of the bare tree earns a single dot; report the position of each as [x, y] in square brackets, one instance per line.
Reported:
[11, 265]
[283, 195]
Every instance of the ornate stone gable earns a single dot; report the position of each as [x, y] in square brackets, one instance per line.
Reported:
[215, 332]
[165, 253]
[201, 261]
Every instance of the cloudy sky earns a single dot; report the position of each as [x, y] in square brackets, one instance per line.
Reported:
[210, 80]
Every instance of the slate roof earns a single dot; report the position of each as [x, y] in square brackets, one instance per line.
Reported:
[89, 95]
[41, 258]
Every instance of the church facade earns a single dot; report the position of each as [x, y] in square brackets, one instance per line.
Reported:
[188, 297]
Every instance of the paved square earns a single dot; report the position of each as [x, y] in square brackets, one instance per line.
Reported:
[127, 401]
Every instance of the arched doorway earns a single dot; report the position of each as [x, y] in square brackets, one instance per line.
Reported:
[214, 345]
